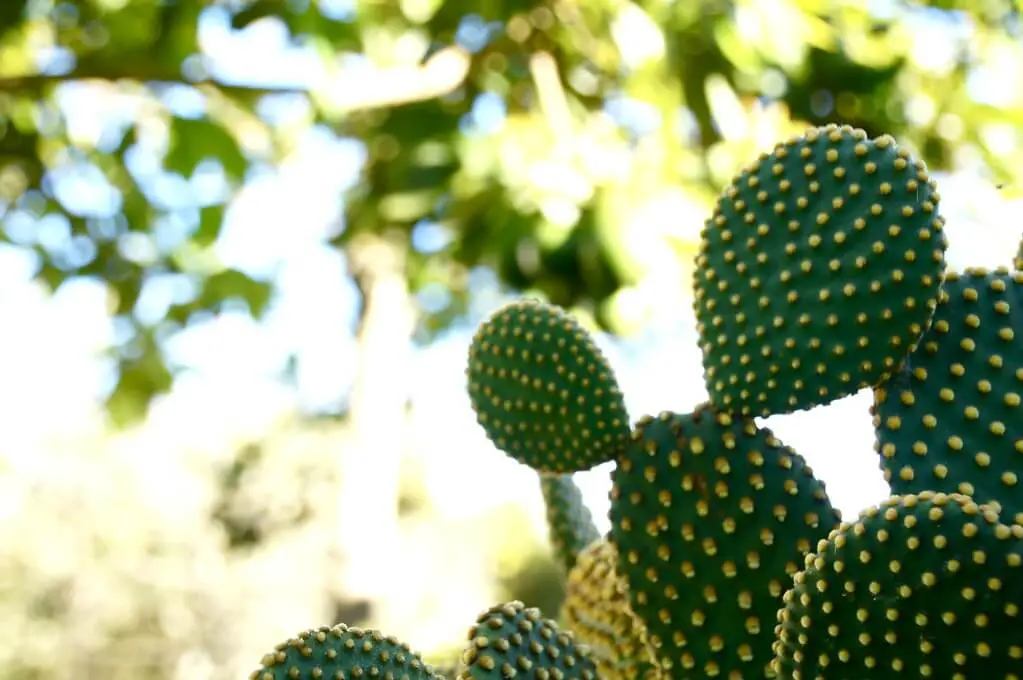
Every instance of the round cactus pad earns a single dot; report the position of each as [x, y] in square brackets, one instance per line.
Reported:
[543, 391]
[711, 516]
[952, 419]
[922, 586]
[512, 640]
[342, 652]
[817, 272]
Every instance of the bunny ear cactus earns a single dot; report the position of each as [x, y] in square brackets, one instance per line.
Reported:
[952, 420]
[817, 272]
[570, 523]
[341, 652]
[507, 640]
[820, 272]
[711, 516]
[597, 608]
[543, 391]
[511, 640]
[926, 585]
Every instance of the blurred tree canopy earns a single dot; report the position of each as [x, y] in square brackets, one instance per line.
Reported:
[571, 147]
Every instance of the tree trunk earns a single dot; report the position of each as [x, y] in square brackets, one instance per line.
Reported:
[367, 547]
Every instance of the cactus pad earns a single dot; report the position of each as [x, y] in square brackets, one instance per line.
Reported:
[569, 521]
[511, 639]
[543, 391]
[342, 652]
[711, 516]
[952, 419]
[927, 586]
[597, 610]
[818, 271]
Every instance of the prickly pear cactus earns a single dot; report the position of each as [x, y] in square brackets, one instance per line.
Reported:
[511, 639]
[597, 609]
[341, 652]
[952, 420]
[927, 585]
[570, 523]
[711, 515]
[817, 272]
[543, 391]
[821, 272]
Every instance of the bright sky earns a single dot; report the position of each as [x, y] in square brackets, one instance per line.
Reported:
[49, 350]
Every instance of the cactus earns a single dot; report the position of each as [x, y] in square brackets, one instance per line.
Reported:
[507, 639]
[597, 609]
[927, 585]
[543, 391]
[341, 652]
[711, 515]
[817, 272]
[569, 521]
[510, 639]
[952, 419]
[821, 272]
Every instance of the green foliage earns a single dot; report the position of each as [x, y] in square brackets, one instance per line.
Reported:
[710, 515]
[569, 520]
[817, 272]
[543, 391]
[342, 652]
[952, 420]
[545, 192]
[924, 585]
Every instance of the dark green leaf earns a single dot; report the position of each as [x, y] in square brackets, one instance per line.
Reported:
[210, 219]
[195, 140]
[232, 283]
[141, 379]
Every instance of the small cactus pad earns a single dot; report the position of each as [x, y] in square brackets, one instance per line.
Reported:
[341, 652]
[597, 610]
[922, 586]
[569, 521]
[512, 640]
[711, 516]
[952, 419]
[817, 272]
[543, 391]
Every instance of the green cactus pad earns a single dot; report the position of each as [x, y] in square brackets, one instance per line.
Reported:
[952, 420]
[543, 391]
[340, 652]
[569, 521]
[817, 272]
[511, 639]
[923, 586]
[711, 516]
[597, 610]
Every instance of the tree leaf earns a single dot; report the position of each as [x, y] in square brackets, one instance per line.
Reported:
[232, 283]
[210, 219]
[195, 140]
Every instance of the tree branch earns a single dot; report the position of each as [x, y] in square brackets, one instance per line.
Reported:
[342, 92]
[37, 84]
